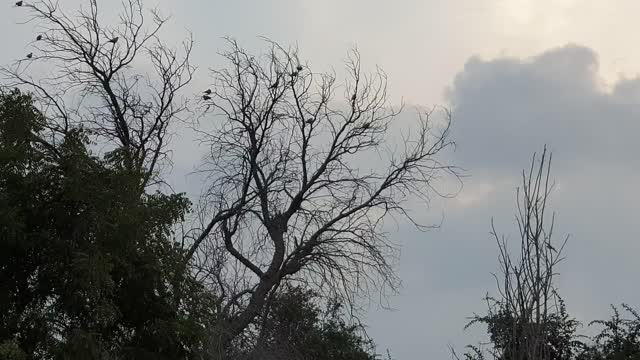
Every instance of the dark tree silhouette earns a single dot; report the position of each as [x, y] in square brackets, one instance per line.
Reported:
[289, 197]
[300, 177]
[85, 73]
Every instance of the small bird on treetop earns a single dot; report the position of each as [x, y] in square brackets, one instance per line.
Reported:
[206, 97]
[19, 3]
[29, 55]
[299, 68]
[309, 121]
[114, 40]
[39, 37]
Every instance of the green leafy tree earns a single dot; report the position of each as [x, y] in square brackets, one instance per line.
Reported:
[619, 338]
[297, 327]
[87, 264]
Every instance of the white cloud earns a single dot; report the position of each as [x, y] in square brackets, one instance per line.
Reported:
[472, 195]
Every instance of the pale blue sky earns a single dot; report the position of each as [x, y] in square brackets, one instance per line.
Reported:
[504, 68]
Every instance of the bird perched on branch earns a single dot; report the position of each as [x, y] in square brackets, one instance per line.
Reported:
[207, 92]
[114, 40]
[206, 97]
[19, 3]
[309, 121]
[275, 85]
[39, 37]
[29, 55]
[299, 68]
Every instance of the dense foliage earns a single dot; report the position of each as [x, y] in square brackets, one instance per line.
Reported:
[86, 262]
[619, 337]
[510, 336]
[295, 326]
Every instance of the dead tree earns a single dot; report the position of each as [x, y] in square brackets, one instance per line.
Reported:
[90, 75]
[527, 320]
[289, 197]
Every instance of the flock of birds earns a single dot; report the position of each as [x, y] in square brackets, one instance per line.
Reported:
[206, 96]
[40, 37]
[207, 93]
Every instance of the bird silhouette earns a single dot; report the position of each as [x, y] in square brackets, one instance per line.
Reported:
[275, 85]
[114, 40]
[19, 3]
[207, 92]
[39, 37]
[29, 55]
[309, 121]
[206, 97]
[366, 126]
[299, 67]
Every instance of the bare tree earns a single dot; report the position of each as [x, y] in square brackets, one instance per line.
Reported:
[528, 319]
[290, 198]
[89, 75]
[287, 200]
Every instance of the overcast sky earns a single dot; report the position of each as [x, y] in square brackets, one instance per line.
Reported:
[517, 74]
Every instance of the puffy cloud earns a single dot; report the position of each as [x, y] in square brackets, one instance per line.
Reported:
[555, 98]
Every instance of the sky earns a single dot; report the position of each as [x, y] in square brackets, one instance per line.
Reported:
[517, 74]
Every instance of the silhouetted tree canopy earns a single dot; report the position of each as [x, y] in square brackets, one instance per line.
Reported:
[87, 265]
[286, 202]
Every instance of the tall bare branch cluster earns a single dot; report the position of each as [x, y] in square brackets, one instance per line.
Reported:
[287, 198]
[91, 75]
[528, 284]
[528, 319]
